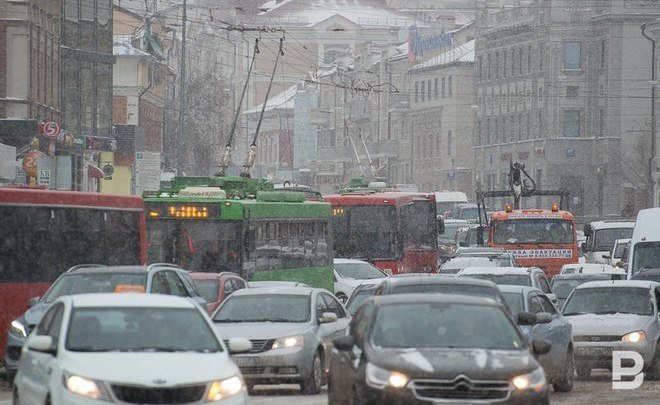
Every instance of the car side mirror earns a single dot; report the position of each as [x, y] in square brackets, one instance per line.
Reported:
[526, 318]
[328, 317]
[239, 345]
[41, 343]
[552, 297]
[32, 301]
[441, 226]
[540, 346]
[543, 317]
[343, 343]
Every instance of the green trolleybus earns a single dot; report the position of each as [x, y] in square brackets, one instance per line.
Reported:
[241, 225]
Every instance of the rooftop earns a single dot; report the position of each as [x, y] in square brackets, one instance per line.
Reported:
[458, 54]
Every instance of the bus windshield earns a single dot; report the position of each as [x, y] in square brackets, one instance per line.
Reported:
[196, 245]
[421, 225]
[537, 230]
[366, 232]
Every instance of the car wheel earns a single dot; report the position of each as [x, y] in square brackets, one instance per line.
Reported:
[47, 400]
[565, 382]
[312, 384]
[14, 397]
[583, 372]
[342, 297]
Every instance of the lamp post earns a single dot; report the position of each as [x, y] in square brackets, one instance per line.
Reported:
[182, 91]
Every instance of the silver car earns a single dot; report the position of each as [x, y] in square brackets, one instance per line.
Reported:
[559, 363]
[290, 329]
[614, 315]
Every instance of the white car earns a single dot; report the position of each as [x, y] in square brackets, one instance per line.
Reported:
[350, 273]
[591, 268]
[525, 276]
[127, 348]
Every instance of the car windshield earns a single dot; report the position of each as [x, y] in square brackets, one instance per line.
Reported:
[510, 279]
[444, 325]
[515, 301]
[209, 289]
[358, 297]
[620, 248]
[646, 255]
[445, 288]
[604, 238]
[609, 300]
[358, 271]
[264, 308]
[562, 288]
[469, 213]
[86, 283]
[448, 237]
[140, 329]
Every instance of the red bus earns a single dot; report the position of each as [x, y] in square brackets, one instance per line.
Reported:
[395, 231]
[44, 232]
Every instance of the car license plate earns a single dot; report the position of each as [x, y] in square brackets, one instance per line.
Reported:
[246, 361]
[593, 352]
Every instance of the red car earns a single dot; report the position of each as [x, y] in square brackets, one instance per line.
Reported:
[215, 287]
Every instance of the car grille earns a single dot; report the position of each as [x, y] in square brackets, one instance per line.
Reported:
[145, 395]
[252, 370]
[460, 388]
[599, 338]
[258, 345]
[255, 370]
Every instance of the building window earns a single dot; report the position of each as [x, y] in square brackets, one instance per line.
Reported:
[572, 91]
[504, 62]
[449, 143]
[572, 123]
[603, 54]
[435, 88]
[527, 133]
[572, 56]
[443, 87]
[497, 64]
[489, 66]
[481, 66]
[520, 62]
[540, 57]
[520, 127]
[449, 90]
[529, 58]
[417, 92]
[428, 90]
[423, 90]
[540, 124]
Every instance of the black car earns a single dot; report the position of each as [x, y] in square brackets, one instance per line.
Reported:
[428, 349]
[563, 284]
[414, 284]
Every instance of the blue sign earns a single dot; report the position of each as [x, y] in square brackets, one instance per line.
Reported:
[570, 152]
[418, 44]
[451, 176]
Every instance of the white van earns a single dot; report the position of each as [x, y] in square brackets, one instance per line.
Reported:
[446, 200]
[645, 242]
[601, 236]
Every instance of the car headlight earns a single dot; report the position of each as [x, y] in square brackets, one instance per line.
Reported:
[531, 381]
[634, 337]
[18, 329]
[86, 387]
[287, 342]
[380, 378]
[226, 388]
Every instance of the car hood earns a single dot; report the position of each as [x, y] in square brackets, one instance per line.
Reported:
[608, 325]
[144, 368]
[261, 330]
[33, 315]
[447, 363]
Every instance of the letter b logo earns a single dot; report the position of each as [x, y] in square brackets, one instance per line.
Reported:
[618, 371]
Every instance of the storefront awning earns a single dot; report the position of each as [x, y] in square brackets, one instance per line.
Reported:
[95, 172]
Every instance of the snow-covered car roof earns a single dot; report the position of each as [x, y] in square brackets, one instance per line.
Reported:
[496, 270]
[618, 284]
[349, 261]
[460, 262]
[519, 289]
[612, 224]
[127, 300]
[574, 268]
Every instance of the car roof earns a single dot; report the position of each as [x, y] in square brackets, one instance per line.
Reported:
[348, 261]
[276, 284]
[390, 299]
[522, 289]
[619, 284]
[456, 221]
[438, 279]
[199, 275]
[275, 290]
[127, 300]
[498, 270]
[594, 276]
[101, 268]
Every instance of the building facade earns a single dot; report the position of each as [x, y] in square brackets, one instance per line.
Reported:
[29, 68]
[558, 89]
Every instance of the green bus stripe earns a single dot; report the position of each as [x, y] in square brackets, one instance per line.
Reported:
[321, 277]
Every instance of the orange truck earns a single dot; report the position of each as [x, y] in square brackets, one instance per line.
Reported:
[536, 237]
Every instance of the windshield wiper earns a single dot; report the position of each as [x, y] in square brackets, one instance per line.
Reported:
[151, 349]
[577, 313]
[233, 320]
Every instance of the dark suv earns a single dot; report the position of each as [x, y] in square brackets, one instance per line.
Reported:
[158, 278]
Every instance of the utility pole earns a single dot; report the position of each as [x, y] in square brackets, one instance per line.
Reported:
[182, 91]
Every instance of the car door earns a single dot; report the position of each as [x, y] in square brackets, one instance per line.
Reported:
[159, 284]
[654, 327]
[345, 364]
[38, 365]
[334, 306]
[543, 331]
[560, 332]
[324, 331]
